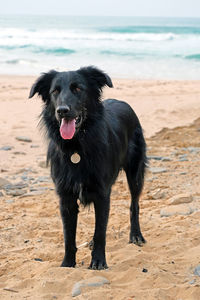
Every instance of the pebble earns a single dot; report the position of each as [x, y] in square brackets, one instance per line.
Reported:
[166, 158]
[19, 153]
[3, 182]
[91, 282]
[15, 192]
[197, 271]
[144, 270]
[9, 201]
[157, 194]
[25, 170]
[183, 157]
[39, 188]
[181, 198]
[43, 178]
[1, 194]
[172, 210]
[154, 157]
[152, 178]
[194, 149]
[16, 186]
[23, 139]
[33, 193]
[162, 158]
[6, 148]
[42, 164]
[27, 178]
[38, 259]
[192, 281]
[156, 170]
[34, 146]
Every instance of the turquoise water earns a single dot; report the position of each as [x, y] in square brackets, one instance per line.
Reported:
[129, 47]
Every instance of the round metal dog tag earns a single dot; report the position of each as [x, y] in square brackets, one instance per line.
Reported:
[75, 158]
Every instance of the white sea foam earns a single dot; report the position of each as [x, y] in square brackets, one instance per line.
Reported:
[120, 46]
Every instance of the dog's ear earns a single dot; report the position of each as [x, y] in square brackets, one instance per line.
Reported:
[42, 85]
[92, 74]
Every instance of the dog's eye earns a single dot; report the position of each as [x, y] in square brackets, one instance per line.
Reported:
[56, 91]
[74, 88]
[78, 89]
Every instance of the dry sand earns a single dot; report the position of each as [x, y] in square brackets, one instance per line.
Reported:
[31, 241]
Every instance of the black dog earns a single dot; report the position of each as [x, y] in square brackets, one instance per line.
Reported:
[90, 141]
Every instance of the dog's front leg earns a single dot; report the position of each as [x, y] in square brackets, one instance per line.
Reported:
[101, 207]
[69, 213]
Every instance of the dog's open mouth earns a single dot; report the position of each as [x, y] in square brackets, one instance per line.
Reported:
[69, 127]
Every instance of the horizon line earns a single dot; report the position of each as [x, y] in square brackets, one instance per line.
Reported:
[106, 16]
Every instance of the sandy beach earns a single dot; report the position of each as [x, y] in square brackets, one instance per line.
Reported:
[31, 238]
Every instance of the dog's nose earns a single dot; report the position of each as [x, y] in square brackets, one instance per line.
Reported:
[62, 110]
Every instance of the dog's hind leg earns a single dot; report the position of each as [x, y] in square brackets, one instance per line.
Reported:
[69, 213]
[135, 169]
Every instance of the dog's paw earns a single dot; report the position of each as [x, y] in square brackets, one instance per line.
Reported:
[137, 240]
[68, 264]
[97, 264]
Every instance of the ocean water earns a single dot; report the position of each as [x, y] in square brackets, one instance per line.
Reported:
[124, 47]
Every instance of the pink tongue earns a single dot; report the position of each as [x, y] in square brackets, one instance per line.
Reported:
[67, 129]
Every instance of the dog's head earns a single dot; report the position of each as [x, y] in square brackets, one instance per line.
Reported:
[70, 95]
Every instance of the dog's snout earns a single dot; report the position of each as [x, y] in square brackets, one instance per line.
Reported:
[63, 110]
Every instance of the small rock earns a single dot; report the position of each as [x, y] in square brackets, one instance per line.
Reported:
[91, 282]
[1, 194]
[15, 192]
[194, 149]
[152, 178]
[23, 139]
[27, 178]
[144, 270]
[38, 188]
[156, 170]
[154, 157]
[181, 198]
[183, 157]
[33, 193]
[19, 153]
[157, 194]
[42, 164]
[16, 186]
[34, 146]
[6, 148]
[172, 210]
[197, 271]
[162, 158]
[3, 183]
[9, 201]
[192, 281]
[24, 170]
[166, 158]
[38, 259]
[43, 178]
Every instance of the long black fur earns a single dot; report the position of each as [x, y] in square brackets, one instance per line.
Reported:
[108, 139]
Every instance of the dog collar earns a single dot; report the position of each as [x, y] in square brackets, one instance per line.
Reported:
[75, 158]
